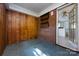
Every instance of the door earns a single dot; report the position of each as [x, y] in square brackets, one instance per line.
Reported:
[67, 26]
[73, 24]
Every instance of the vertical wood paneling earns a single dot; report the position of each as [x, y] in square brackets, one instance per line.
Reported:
[2, 28]
[9, 25]
[32, 26]
[52, 24]
[49, 33]
[13, 27]
[21, 27]
[23, 24]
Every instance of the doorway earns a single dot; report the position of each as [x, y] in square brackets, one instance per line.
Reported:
[67, 26]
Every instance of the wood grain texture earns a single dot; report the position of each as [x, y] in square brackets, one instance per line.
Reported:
[52, 24]
[21, 27]
[32, 26]
[2, 28]
[49, 33]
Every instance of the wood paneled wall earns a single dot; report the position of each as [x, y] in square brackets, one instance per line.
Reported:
[12, 26]
[2, 28]
[16, 27]
[21, 27]
[32, 27]
[52, 26]
[49, 33]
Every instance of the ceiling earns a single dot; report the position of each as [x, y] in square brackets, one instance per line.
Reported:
[35, 7]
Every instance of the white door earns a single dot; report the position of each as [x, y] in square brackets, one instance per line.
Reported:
[67, 26]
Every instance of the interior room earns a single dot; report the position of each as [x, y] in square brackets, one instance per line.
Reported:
[39, 29]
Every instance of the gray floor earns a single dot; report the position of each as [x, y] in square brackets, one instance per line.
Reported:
[37, 48]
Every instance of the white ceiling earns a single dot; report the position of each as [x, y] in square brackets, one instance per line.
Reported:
[35, 7]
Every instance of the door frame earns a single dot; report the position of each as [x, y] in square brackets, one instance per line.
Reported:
[57, 41]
